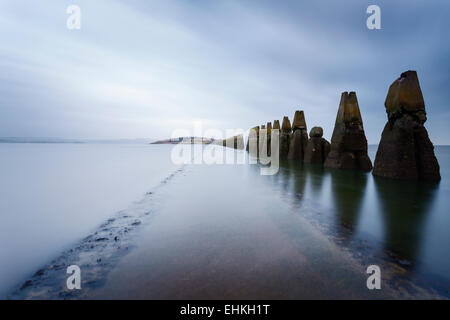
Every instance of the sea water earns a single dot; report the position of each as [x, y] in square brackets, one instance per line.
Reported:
[51, 195]
[221, 225]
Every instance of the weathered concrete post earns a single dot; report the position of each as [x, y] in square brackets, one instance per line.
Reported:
[318, 148]
[276, 124]
[405, 150]
[299, 137]
[269, 134]
[349, 143]
[253, 140]
[285, 137]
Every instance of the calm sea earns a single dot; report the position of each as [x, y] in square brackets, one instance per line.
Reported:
[54, 194]
[220, 220]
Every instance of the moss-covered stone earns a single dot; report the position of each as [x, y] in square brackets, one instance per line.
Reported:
[316, 132]
[276, 124]
[299, 121]
[405, 94]
[286, 125]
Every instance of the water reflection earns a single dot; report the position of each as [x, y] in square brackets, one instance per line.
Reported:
[283, 176]
[316, 177]
[405, 208]
[357, 206]
[348, 189]
[293, 178]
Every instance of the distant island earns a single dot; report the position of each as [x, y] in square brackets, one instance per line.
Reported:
[185, 140]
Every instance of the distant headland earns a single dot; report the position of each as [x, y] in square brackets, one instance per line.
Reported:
[185, 140]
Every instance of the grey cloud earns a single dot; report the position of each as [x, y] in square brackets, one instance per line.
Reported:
[234, 64]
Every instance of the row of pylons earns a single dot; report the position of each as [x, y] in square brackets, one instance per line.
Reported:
[405, 150]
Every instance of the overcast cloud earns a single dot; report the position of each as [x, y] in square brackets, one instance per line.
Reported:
[141, 69]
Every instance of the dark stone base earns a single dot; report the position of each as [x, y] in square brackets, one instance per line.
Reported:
[298, 143]
[284, 145]
[317, 150]
[406, 153]
[349, 161]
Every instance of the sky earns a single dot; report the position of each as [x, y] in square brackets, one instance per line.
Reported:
[143, 69]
